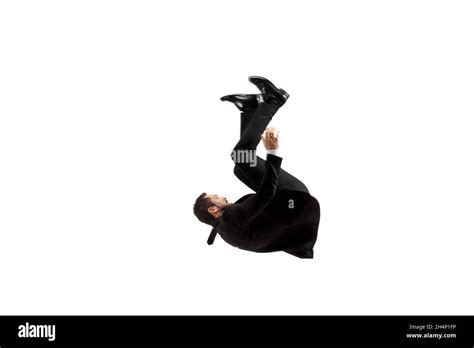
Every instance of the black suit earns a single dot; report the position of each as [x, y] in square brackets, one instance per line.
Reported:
[281, 215]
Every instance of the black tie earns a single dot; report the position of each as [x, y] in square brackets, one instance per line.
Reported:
[212, 236]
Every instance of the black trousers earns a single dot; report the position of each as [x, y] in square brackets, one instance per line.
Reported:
[253, 122]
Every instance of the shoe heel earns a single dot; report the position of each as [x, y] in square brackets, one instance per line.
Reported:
[285, 93]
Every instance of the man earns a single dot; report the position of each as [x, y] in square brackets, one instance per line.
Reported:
[281, 215]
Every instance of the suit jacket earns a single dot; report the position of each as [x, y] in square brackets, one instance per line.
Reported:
[271, 219]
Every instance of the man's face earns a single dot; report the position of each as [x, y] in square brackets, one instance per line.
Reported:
[219, 202]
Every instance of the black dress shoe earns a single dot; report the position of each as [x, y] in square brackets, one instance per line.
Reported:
[242, 101]
[269, 90]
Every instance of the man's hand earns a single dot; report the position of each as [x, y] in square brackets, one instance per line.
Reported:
[270, 138]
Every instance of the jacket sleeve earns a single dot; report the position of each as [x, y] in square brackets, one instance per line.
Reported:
[243, 213]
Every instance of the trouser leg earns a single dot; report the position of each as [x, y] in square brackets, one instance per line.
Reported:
[253, 125]
[245, 118]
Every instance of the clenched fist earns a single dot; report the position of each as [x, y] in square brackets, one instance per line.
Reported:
[270, 138]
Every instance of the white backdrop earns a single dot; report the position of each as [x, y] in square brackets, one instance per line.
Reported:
[111, 125]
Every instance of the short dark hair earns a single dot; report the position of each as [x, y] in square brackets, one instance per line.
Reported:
[200, 209]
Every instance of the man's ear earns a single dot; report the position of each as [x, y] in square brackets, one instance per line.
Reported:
[213, 210]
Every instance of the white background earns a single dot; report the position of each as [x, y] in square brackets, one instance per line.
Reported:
[111, 126]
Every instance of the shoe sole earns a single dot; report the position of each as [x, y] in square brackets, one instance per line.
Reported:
[226, 97]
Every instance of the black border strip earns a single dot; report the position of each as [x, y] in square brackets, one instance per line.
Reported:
[287, 331]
